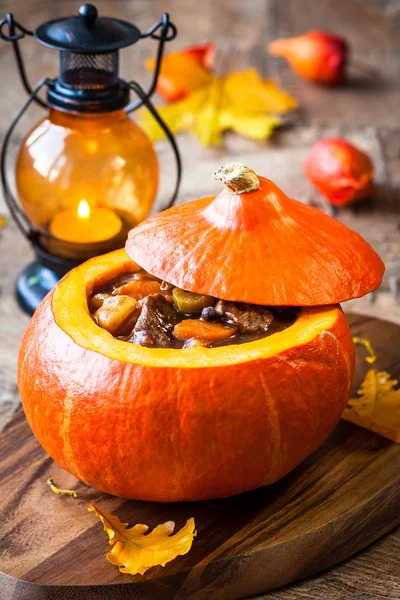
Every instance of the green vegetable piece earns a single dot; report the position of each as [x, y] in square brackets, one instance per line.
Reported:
[190, 303]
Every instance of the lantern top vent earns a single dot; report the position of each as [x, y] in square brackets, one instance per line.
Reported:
[87, 33]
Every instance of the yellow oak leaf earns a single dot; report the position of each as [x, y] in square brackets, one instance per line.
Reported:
[240, 101]
[134, 552]
[2, 222]
[377, 406]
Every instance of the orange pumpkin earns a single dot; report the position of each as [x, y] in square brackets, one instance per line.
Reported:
[171, 425]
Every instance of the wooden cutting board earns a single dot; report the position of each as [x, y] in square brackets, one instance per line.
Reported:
[342, 498]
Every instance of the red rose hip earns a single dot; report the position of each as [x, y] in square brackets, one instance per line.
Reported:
[340, 171]
[318, 56]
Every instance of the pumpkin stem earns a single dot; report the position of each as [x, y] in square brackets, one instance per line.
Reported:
[237, 178]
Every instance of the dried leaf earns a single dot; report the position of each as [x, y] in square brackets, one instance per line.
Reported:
[377, 406]
[58, 491]
[181, 73]
[368, 346]
[240, 102]
[247, 89]
[134, 552]
[2, 222]
[184, 71]
[204, 54]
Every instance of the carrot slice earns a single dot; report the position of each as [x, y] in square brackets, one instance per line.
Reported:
[139, 289]
[207, 330]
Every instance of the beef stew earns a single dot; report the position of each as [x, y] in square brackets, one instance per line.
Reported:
[140, 309]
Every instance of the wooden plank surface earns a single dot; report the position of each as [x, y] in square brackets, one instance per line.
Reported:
[365, 111]
[342, 498]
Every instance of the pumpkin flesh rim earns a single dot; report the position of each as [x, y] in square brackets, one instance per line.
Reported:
[70, 310]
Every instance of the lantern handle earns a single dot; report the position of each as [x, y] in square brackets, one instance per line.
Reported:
[14, 37]
[16, 212]
[168, 33]
[144, 99]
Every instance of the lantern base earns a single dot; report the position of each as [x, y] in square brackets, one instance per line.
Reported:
[33, 284]
[38, 278]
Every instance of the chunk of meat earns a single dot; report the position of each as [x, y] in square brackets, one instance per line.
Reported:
[166, 290]
[166, 287]
[113, 313]
[206, 330]
[250, 318]
[157, 318]
[286, 313]
[150, 339]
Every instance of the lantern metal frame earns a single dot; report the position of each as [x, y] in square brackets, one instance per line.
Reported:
[39, 277]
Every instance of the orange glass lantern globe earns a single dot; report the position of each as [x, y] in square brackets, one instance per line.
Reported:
[104, 158]
[86, 148]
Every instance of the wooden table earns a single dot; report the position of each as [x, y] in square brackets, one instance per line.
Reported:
[366, 111]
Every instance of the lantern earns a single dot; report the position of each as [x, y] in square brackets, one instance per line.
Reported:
[86, 174]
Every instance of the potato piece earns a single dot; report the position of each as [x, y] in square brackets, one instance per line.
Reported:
[128, 325]
[97, 301]
[114, 312]
[196, 343]
[139, 288]
[207, 330]
[249, 318]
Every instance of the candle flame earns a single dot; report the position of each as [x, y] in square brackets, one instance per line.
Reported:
[83, 209]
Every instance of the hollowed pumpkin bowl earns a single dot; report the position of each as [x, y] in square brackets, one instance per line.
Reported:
[170, 425]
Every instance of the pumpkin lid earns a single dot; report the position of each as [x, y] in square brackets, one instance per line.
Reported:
[253, 244]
